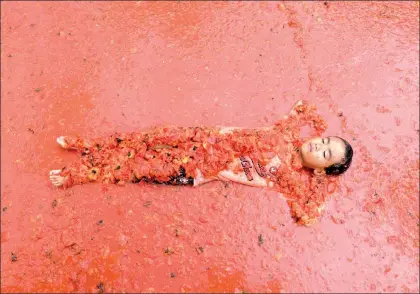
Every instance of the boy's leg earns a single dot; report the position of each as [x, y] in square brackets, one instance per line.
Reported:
[74, 175]
[75, 143]
[129, 140]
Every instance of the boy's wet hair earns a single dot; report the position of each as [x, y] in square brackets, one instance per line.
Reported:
[339, 168]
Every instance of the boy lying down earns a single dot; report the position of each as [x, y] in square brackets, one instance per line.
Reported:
[273, 157]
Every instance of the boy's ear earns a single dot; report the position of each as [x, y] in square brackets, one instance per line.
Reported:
[319, 171]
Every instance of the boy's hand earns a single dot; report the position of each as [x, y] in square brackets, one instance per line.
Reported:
[301, 216]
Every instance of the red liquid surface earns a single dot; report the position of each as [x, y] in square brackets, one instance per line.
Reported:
[92, 69]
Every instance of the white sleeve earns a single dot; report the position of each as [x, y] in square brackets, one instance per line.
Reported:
[250, 179]
[241, 178]
[199, 179]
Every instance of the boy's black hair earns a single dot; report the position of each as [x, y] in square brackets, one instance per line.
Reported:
[339, 168]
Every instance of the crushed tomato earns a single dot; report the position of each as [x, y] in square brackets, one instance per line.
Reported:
[165, 151]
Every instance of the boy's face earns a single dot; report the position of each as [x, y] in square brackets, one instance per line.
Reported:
[319, 153]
